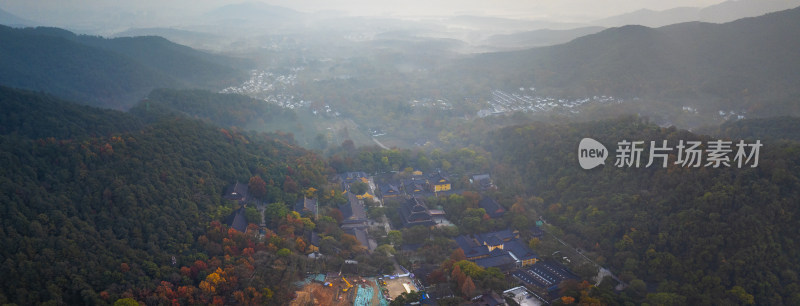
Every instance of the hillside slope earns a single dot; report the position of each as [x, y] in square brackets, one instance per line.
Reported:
[747, 65]
[91, 219]
[694, 234]
[113, 73]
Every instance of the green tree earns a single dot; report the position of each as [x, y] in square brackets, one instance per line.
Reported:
[275, 212]
[406, 298]
[666, 299]
[741, 295]
[253, 215]
[359, 187]
[395, 237]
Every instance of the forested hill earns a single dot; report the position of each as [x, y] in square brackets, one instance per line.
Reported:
[113, 73]
[194, 67]
[225, 110]
[748, 64]
[784, 127]
[92, 219]
[694, 236]
[36, 115]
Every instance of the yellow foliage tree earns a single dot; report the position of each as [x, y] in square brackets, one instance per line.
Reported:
[207, 288]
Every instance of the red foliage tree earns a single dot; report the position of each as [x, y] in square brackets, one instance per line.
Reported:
[257, 187]
[468, 288]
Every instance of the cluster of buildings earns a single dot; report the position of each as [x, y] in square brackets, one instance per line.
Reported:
[503, 249]
[354, 213]
[418, 185]
[412, 191]
[503, 102]
[431, 103]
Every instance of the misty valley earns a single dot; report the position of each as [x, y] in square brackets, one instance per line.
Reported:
[255, 154]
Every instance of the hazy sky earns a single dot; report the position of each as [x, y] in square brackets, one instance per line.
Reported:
[570, 10]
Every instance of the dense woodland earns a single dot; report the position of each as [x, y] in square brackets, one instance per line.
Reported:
[698, 235]
[99, 201]
[94, 217]
[96, 203]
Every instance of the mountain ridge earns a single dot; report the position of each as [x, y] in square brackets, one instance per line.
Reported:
[718, 13]
[113, 73]
[747, 65]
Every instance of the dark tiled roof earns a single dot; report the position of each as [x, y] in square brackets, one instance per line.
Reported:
[352, 175]
[237, 192]
[520, 250]
[505, 235]
[488, 299]
[438, 179]
[545, 274]
[471, 247]
[361, 235]
[389, 190]
[493, 209]
[502, 261]
[315, 239]
[237, 220]
[476, 246]
[413, 186]
[353, 209]
[493, 240]
[421, 273]
[414, 212]
[306, 204]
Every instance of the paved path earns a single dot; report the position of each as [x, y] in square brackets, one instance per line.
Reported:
[380, 144]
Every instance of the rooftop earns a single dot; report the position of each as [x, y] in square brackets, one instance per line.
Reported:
[493, 209]
[237, 220]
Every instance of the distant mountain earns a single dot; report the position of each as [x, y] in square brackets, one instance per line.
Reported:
[724, 12]
[252, 12]
[507, 24]
[111, 73]
[750, 64]
[537, 38]
[195, 39]
[72, 70]
[183, 63]
[12, 20]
